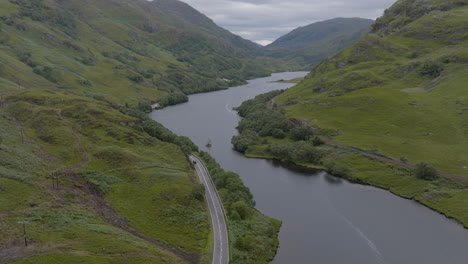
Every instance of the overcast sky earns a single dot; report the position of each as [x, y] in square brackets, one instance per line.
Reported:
[263, 21]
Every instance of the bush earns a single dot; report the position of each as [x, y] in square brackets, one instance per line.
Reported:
[338, 169]
[301, 133]
[46, 72]
[433, 69]
[316, 141]
[425, 171]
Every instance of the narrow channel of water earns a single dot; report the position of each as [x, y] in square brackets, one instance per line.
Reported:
[326, 220]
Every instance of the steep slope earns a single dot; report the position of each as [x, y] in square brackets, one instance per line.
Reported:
[395, 99]
[309, 45]
[125, 50]
[400, 89]
[93, 186]
[184, 12]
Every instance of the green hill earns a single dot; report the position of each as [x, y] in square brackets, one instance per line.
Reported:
[371, 112]
[309, 45]
[95, 180]
[125, 50]
[400, 90]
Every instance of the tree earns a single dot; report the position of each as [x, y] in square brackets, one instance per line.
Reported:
[425, 171]
[278, 133]
[241, 208]
[301, 133]
[243, 141]
[338, 169]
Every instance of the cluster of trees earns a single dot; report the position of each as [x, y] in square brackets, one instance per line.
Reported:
[232, 190]
[157, 130]
[243, 141]
[38, 11]
[300, 151]
[253, 235]
[262, 119]
[237, 198]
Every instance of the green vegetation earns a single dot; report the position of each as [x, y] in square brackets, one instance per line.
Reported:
[253, 236]
[97, 180]
[425, 171]
[126, 50]
[119, 191]
[307, 46]
[399, 90]
[395, 98]
[295, 80]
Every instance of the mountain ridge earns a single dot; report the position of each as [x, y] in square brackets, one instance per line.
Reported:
[308, 45]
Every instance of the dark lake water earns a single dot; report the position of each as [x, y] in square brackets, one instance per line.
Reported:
[326, 220]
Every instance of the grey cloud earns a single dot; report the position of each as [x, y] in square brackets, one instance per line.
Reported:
[265, 20]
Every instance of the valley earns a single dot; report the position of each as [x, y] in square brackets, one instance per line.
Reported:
[136, 131]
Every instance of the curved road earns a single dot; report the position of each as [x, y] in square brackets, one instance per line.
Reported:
[221, 239]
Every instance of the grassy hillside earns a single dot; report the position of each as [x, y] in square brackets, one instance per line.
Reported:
[309, 45]
[93, 186]
[125, 50]
[98, 183]
[401, 93]
[370, 113]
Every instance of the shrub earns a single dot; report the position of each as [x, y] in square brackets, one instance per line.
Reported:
[136, 78]
[85, 82]
[433, 69]
[425, 171]
[301, 133]
[338, 169]
[46, 72]
[316, 141]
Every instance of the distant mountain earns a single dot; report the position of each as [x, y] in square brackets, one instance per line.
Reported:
[309, 45]
[124, 50]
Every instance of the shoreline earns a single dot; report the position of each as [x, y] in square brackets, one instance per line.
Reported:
[355, 181]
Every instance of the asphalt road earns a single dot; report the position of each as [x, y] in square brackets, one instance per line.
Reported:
[221, 239]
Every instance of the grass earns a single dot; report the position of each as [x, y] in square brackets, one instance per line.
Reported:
[120, 54]
[77, 235]
[379, 100]
[147, 181]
